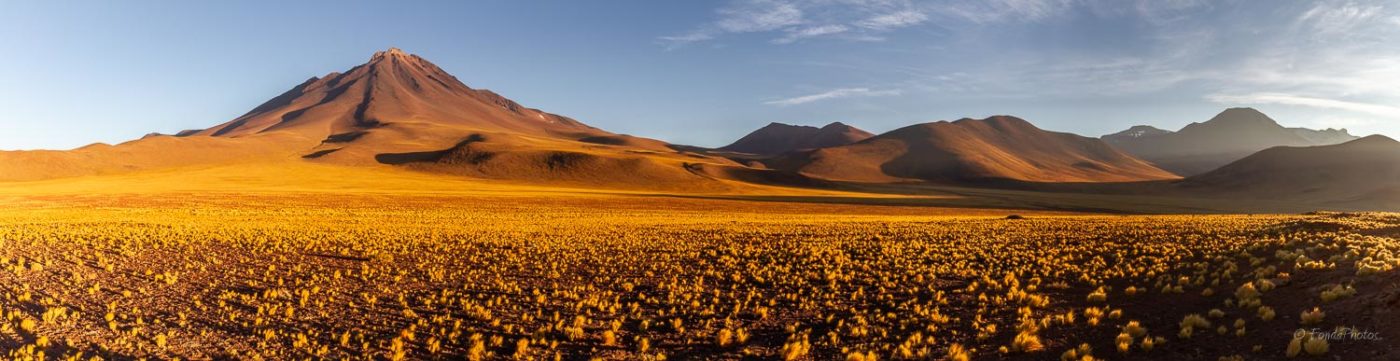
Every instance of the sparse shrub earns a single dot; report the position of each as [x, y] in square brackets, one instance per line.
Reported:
[1190, 323]
[956, 352]
[1312, 317]
[609, 338]
[1315, 346]
[1098, 296]
[724, 338]
[1266, 313]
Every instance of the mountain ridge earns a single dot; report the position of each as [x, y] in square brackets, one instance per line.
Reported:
[972, 150]
[1230, 135]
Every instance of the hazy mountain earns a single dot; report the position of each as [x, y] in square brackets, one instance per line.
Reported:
[1137, 132]
[1229, 136]
[776, 138]
[1361, 173]
[1325, 136]
[972, 150]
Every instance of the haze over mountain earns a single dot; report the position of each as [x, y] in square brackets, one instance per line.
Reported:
[972, 150]
[1231, 135]
[1361, 173]
[1135, 133]
[776, 138]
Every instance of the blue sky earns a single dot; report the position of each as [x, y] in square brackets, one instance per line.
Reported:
[705, 73]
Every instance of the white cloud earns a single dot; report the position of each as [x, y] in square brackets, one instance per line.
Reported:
[794, 20]
[833, 94]
[1329, 18]
[680, 40]
[1033, 9]
[1185, 51]
[1291, 99]
[1167, 12]
[796, 34]
[991, 11]
[741, 17]
[893, 20]
[758, 15]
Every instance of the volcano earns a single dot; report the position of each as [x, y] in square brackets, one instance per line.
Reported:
[395, 87]
[396, 102]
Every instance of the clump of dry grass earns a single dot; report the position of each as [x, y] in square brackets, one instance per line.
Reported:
[1312, 317]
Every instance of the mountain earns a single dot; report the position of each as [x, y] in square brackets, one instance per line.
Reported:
[396, 102]
[777, 138]
[399, 110]
[1363, 173]
[972, 150]
[394, 87]
[1229, 136]
[1137, 132]
[1325, 136]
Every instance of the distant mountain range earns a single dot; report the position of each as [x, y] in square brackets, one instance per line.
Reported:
[972, 150]
[399, 110]
[1231, 135]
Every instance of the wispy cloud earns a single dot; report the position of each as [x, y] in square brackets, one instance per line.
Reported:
[740, 17]
[1034, 9]
[1291, 99]
[1342, 48]
[833, 94]
[991, 11]
[675, 41]
[1329, 18]
[893, 20]
[795, 20]
[758, 15]
[796, 34]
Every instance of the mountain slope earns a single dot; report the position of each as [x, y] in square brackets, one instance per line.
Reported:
[972, 150]
[152, 152]
[1229, 136]
[1363, 172]
[777, 138]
